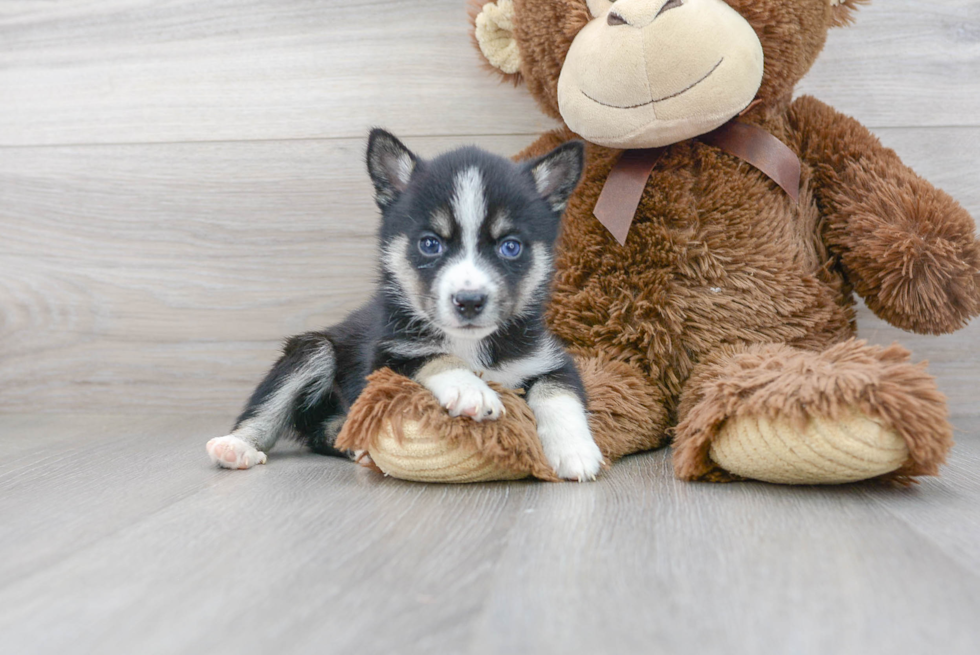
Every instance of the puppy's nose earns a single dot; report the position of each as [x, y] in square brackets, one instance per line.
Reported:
[469, 304]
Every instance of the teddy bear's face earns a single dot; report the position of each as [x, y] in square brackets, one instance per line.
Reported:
[645, 73]
[627, 83]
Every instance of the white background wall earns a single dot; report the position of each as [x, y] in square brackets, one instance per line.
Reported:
[181, 183]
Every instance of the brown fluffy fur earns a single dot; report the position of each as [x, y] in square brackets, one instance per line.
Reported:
[724, 281]
[620, 425]
[392, 398]
[773, 380]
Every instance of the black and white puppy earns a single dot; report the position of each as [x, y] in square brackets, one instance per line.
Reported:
[466, 260]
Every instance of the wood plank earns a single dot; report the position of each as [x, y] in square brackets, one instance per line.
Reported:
[904, 63]
[149, 549]
[71, 481]
[115, 71]
[648, 564]
[306, 554]
[944, 510]
[163, 277]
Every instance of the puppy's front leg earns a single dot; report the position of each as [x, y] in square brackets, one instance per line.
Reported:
[459, 390]
[563, 428]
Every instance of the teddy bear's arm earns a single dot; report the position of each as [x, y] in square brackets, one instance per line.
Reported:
[907, 247]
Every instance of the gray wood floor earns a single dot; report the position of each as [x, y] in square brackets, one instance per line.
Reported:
[118, 537]
[181, 186]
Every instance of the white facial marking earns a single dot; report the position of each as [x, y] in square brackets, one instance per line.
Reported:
[395, 262]
[463, 274]
[442, 223]
[534, 285]
[563, 429]
[470, 206]
[501, 225]
[466, 271]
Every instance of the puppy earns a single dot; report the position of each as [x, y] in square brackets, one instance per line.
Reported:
[466, 259]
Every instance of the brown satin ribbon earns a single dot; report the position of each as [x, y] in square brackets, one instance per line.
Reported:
[624, 186]
[754, 145]
[623, 189]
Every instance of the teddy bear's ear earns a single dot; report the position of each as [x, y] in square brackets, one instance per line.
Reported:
[842, 11]
[493, 32]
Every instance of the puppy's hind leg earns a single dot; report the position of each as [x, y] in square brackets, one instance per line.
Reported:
[299, 381]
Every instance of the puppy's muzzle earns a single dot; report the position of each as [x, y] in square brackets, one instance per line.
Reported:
[469, 304]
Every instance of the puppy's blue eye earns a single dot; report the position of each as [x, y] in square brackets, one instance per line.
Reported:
[430, 246]
[510, 249]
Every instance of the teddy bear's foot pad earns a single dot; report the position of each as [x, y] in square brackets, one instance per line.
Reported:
[424, 456]
[823, 451]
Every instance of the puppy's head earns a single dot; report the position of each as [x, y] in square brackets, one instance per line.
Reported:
[467, 237]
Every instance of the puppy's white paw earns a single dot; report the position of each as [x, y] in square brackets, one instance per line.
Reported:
[231, 452]
[575, 461]
[462, 393]
[563, 429]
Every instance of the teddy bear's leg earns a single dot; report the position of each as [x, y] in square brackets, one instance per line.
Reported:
[780, 414]
[627, 411]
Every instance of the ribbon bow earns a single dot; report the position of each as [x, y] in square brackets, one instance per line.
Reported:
[624, 187]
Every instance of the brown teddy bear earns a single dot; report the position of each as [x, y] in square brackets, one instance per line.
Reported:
[709, 259]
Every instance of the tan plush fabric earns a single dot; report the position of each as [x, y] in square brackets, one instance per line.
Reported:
[494, 33]
[423, 455]
[408, 435]
[816, 402]
[850, 448]
[664, 94]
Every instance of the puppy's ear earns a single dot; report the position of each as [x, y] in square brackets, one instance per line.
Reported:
[557, 174]
[390, 165]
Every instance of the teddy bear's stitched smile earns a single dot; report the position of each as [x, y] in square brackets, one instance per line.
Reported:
[656, 100]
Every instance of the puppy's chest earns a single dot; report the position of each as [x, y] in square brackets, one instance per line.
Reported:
[511, 372]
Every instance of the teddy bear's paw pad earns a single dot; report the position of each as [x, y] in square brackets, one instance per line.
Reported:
[230, 452]
[462, 393]
[824, 451]
[422, 456]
